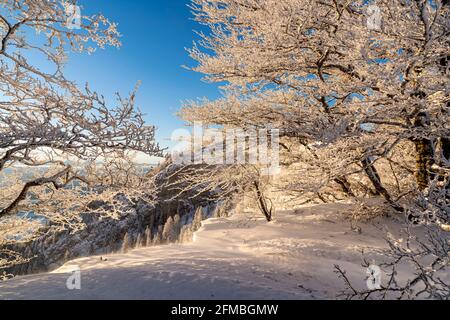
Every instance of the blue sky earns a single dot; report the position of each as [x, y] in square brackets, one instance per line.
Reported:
[155, 35]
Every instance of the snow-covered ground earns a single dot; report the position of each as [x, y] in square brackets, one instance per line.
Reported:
[242, 257]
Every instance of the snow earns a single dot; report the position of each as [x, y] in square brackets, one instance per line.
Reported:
[241, 257]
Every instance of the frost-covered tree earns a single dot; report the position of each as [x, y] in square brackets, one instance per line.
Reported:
[63, 149]
[148, 237]
[186, 234]
[126, 243]
[222, 183]
[198, 218]
[138, 241]
[169, 233]
[158, 238]
[177, 225]
[360, 92]
[347, 82]
[47, 119]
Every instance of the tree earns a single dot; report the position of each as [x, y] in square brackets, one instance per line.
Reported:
[157, 239]
[359, 91]
[126, 244]
[177, 226]
[198, 218]
[217, 183]
[347, 89]
[169, 233]
[138, 241]
[148, 237]
[46, 119]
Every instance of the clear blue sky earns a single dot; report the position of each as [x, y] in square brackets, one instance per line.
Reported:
[155, 34]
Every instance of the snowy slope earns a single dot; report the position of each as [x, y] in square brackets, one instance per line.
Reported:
[241, 257]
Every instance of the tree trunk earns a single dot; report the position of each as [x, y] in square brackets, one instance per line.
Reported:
[424, 154]
[345, 185]
[424, 162]
[262, 202]
[374, 177]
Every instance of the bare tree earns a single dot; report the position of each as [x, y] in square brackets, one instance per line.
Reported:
[46, 119]
[333, 78]
[359, 91]
[223, 183]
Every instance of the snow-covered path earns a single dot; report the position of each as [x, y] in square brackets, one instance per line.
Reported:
[241, 257]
